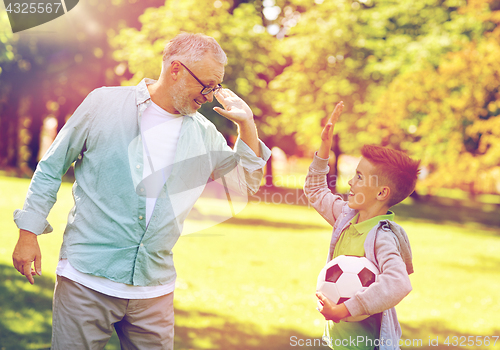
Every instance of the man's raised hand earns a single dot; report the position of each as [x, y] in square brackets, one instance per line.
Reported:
[235, 108]
[238, 111]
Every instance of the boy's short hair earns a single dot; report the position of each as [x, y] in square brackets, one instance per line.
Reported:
[395, 169]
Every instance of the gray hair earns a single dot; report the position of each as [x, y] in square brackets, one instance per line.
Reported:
[190, 48]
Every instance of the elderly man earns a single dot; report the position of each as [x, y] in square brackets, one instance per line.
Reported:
[143, 155]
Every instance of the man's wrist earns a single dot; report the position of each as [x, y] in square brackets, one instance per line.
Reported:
[27, 234]
[247, 124]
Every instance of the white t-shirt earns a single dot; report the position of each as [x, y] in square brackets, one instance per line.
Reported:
[160, 133]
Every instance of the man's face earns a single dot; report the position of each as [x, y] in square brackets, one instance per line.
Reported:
[187, 97]
[364, 186]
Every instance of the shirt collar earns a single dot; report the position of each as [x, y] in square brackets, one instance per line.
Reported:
[142, 92]
[367, 225]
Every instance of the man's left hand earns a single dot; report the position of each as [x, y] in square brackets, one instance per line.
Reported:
[235, 108]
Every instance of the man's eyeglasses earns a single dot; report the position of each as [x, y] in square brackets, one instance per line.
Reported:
[206, 89]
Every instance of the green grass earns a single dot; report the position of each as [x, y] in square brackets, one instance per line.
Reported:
[249, 283]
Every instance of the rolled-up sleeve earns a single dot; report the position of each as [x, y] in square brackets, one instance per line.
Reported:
[46, 181]
[249, 159]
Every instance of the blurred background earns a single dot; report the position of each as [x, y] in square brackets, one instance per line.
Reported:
[418, 76]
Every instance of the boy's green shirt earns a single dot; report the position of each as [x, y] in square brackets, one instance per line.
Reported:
[352, 239]
[351, 242]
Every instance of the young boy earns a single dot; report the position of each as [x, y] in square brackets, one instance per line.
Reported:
[363, 226]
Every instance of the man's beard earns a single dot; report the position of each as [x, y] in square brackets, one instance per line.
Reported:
[181, 101]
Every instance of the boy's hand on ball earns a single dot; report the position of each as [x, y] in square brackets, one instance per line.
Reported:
[330, 310]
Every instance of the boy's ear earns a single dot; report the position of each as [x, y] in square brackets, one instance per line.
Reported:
[383, 193]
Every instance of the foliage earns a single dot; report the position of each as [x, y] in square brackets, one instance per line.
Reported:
[348, 50]
[6, 53]
[418, 76]
[450, 115]
[252, 60]
[7, 59]
[49, 75]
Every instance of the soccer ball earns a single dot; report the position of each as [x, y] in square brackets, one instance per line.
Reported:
[343, 277]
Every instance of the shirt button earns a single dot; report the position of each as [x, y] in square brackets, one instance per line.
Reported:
[142, 189]
[138, 166]
[140, 217]
[142, 245]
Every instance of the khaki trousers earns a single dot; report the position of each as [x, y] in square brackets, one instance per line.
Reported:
[84, 319]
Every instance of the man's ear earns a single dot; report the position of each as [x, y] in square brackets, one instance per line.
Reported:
[383, 193]
[174, 70]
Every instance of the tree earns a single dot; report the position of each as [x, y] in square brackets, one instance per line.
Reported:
[351, 50]
[252, 60]
[450, 115]
[8, 131]
[50, 75]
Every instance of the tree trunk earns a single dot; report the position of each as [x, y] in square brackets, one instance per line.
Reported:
[268, 179]
[10, 132]
[37, 112]
[269, 173]
[3, 135]
[333, 175]
[61, 117]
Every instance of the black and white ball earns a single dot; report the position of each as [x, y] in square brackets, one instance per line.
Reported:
[343, 277]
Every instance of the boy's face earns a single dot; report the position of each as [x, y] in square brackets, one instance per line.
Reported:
[365, 186]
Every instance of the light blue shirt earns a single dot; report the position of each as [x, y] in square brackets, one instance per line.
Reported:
[106, 234]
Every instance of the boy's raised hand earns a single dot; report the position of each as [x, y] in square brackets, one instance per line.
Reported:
[330, 310]
[327, 133]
